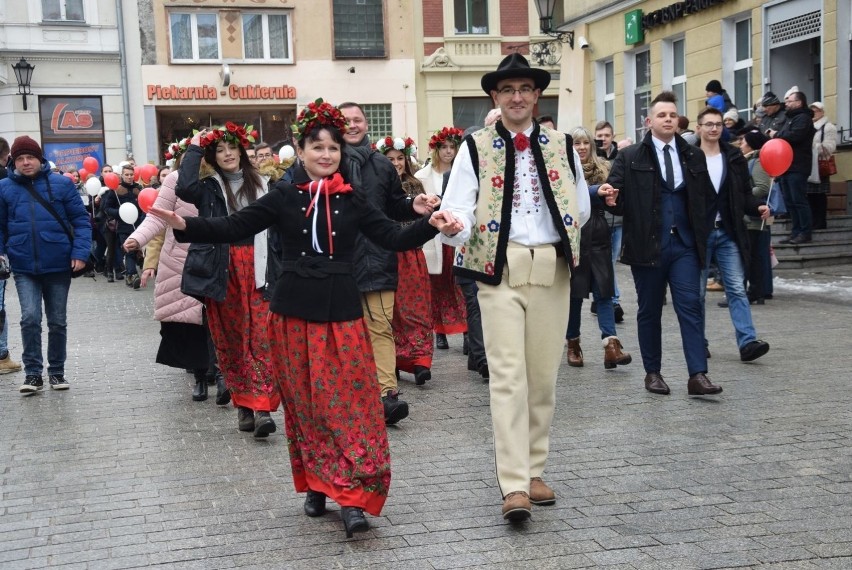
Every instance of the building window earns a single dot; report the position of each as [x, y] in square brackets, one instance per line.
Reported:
[470, 111]
[677, 72]
[641, 91]
[267, 37]
[359, 28]
[195, 36]
[471, 16]
[62, 10]
[379, 119]
[742, 68]
[606, 91]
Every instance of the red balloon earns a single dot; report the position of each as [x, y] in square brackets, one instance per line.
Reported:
[90, 163]
[149, 171]
[84, 174]
[776, 156]
[111, 180]
[146, 199]
[137, 172]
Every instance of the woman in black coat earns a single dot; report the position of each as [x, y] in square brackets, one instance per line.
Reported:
[594, 273]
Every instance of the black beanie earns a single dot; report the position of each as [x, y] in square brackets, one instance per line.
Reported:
[714, 86]
[755, 139]
[26, 145]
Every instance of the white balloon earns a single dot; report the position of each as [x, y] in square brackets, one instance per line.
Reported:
[128, 213]
[93, 186]
[286, 152]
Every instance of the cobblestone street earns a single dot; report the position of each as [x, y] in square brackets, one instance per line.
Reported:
[125, 471]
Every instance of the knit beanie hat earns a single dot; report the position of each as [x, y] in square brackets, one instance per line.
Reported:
[714, 86]
[731, 114]
[26, 145]
[755, 139]
[770, 99]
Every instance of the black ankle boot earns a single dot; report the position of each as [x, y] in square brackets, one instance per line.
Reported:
[353, 520]
[441, 341]
[199, 393]
[465, 346]
[314, 504]
[223, 395]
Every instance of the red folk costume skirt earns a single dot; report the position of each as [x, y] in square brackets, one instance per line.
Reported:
[238, 326]
[412, 312]
[448, 307]
[333, 414]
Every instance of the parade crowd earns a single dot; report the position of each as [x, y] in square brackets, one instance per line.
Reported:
[320, 280]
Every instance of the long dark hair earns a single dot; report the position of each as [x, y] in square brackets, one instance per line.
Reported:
[252, 183]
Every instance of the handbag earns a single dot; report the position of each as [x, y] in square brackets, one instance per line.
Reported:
[90, 262]
[826, 167]
[112, 224]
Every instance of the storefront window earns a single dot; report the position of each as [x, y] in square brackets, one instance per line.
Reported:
[470, 111]
[267, 37]
[471, 16]
[359, 28]
[379, 119]
[641, 92]
[68, 10]
[194, 37]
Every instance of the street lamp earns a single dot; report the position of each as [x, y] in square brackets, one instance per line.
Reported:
[545, 19]
[24, 75]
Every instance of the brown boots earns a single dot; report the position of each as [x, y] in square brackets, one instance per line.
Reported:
[575, 353]
[613, 355]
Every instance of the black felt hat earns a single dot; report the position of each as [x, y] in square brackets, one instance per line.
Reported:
[515, 66]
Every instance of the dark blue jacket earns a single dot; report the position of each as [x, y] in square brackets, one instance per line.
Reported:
[32, 238]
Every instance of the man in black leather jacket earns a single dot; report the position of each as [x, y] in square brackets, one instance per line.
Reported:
[664, 193]
[375, 266]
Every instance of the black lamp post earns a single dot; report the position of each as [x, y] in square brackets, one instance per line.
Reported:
[545, 19]
[24, 75]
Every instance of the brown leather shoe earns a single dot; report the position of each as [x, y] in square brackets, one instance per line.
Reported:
[700, 385]
[655, 383]
[540, 493]
[613, 355]
[575, 353]
[516, 506]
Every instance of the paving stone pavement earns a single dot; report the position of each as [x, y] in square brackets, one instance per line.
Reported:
[125, 471]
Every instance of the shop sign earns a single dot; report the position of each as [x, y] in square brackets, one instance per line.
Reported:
[634, 33]
[211, 93]
[72, 128]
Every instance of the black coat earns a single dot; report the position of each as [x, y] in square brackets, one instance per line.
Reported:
[112, 203]
[798, 130]
[303, 290]
[595, 253]
[636, 174]
[374, 175]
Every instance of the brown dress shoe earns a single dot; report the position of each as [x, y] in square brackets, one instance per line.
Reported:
[700, 385]
[613, 355]
[540, 493]
[575, 353]
[516, 506]
[655, 383]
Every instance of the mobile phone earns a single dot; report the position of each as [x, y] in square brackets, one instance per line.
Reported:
[599, 143]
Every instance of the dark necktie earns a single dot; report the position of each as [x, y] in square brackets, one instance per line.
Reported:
[667, 155]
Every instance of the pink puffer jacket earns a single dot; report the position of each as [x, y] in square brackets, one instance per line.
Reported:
[170, 304]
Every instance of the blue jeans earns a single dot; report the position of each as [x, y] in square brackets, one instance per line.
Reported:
[4, 332]
[615, 236]
[724, 251]
[794, 188]
[52, 288]
[129, 257]
[606, 314]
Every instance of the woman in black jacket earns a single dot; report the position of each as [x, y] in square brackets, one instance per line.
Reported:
[323, 360]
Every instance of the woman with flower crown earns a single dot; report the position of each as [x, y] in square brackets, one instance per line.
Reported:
[323, 360]
[412, 308]
[448, 306]
[231, 279]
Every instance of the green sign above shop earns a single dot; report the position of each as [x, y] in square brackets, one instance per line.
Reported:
[633, 32]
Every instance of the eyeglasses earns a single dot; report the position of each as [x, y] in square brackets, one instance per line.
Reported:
[525, 91]
[711, 126]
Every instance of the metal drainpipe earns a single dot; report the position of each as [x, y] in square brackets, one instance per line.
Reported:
[124, 95]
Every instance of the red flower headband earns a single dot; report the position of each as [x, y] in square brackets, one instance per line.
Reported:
[177, 148]
[316, 114]
[451, 134]
[404, 145]
[232, 133]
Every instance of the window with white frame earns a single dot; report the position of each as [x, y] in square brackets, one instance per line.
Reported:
[743, 68]
[379, 119]
[194, 36]
[62, 10]
[606, 91]
[641, 91]
[678, 71]
[471, 16]
[267, 37]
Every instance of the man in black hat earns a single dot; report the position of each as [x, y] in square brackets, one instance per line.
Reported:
[519, 190]
[42, 261]
[774, 116]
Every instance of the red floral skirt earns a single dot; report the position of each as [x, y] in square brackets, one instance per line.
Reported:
[448, 308]
[333, 411]
[238, 326]
[412, 312]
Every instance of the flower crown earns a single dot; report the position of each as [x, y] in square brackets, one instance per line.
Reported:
[404, 145]
[319, 113]
[232, 133]
[451, 134]
[177, 148]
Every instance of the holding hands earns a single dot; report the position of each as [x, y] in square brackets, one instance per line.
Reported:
[608, 193]
[425, 204]
[446, 223]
